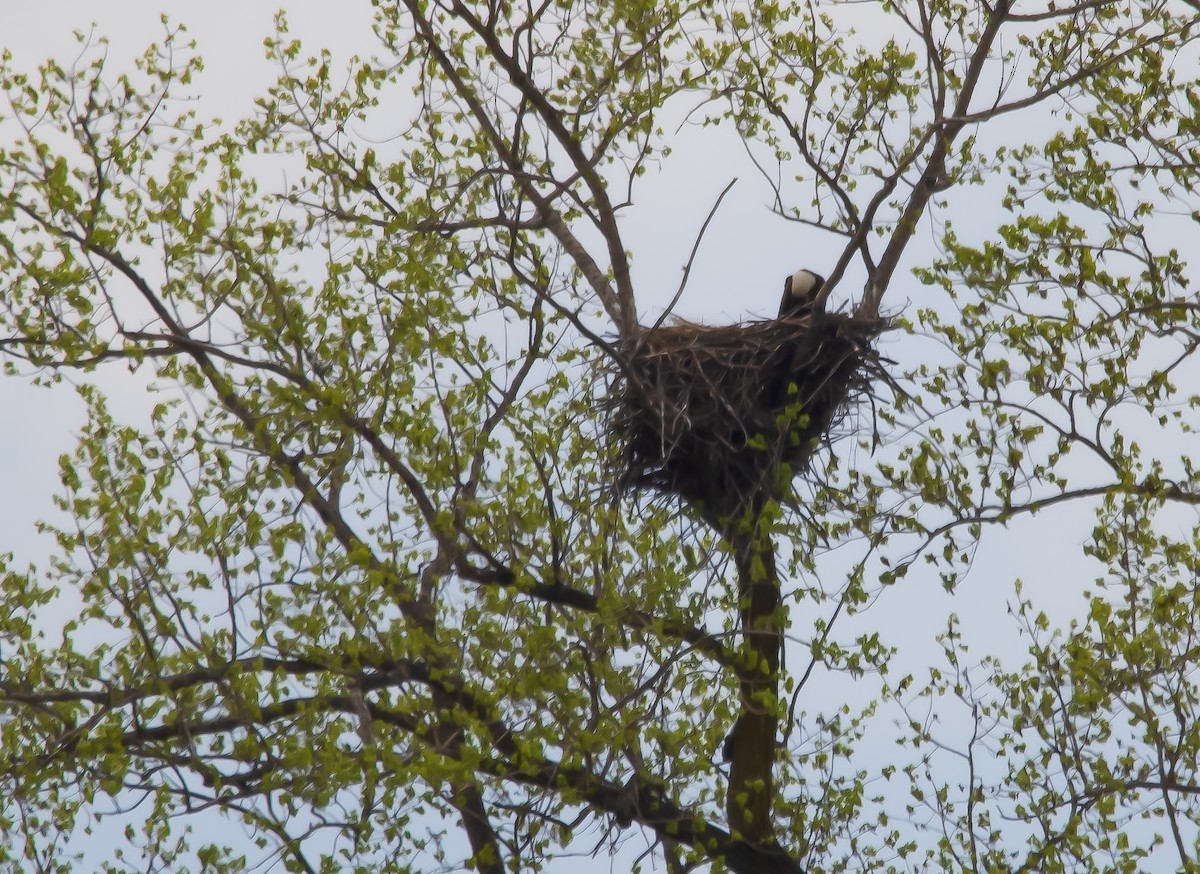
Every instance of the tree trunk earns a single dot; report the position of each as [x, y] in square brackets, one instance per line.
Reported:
[751, 772]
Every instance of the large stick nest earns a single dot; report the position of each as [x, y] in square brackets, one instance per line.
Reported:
[722, 417]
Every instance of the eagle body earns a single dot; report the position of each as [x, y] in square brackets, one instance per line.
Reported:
[800, 291]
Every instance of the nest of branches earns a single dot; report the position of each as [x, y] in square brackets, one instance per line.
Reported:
[723, 417]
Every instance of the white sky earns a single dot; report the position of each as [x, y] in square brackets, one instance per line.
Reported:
[739, 273]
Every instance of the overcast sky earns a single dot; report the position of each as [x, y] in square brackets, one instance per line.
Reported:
[739, 271]
[738, 274]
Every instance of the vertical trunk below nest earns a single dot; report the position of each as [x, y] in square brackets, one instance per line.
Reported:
[751, 772]
[486, 856]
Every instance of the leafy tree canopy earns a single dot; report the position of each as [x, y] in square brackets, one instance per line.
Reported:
[362, 581]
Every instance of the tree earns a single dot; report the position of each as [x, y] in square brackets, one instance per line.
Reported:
[363, 574]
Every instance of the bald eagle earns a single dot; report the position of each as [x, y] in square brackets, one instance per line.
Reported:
[800, 290]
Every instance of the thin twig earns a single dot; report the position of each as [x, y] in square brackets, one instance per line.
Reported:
[687, 268]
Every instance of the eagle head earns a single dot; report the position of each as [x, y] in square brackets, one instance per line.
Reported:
[799, 291]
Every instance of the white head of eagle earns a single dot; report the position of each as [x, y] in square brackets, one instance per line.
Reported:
[799, 291]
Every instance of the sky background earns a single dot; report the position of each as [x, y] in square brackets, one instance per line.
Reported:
[738, 274]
